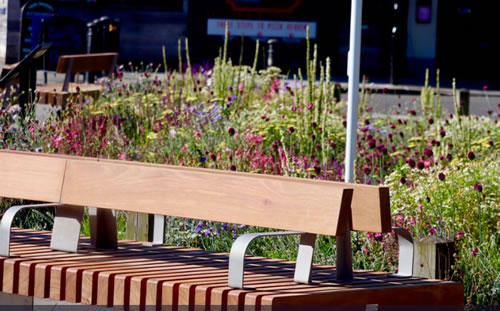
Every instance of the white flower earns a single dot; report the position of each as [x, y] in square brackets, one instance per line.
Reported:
[173, 133]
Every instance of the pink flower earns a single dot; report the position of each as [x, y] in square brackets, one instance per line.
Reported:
[459, 234]
[184, 148]
[241, 86]
[420, 206]
[432, 231]
[473, 252]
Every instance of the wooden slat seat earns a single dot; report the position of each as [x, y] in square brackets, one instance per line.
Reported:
[136, 275]
[130, 274]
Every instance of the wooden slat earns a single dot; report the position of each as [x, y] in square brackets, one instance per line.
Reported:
[31, 178]
[245, 199]
[86, 62]
[135, 276]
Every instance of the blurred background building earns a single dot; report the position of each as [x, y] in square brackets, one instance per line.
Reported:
[400, 38]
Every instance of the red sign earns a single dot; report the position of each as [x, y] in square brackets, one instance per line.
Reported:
[286, 8]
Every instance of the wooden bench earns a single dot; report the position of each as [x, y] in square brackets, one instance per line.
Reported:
[99, 270]
[59, 94]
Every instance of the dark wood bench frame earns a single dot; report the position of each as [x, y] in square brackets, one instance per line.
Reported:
[71, 183]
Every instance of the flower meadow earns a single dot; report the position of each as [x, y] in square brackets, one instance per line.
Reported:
[442, 169]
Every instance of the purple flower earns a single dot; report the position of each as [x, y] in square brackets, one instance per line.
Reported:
[471, 155]
[428, 152]
[441, 176]
[473, 252]
[411, 162]
[198, 228]
[449, 157]
[478, 187]
[459, 233]
[231, 131]
[432, 231]
[420, 165]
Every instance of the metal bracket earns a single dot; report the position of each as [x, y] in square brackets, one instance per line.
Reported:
[67, 78]
[303, 266]
[103, 232]
[6, 224]
[66, 231]
[406, 250]
[159, 230]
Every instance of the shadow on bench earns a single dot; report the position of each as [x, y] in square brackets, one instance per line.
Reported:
[129, 273]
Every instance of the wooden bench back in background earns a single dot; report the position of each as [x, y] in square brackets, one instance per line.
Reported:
[87, 62]
[319, 207]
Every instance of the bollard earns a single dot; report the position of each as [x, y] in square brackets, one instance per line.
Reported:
[270, 51]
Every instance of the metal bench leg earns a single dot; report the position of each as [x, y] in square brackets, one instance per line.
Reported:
[66, 231]
[103, 233]
[6, 224]
[406, 250]
[159, 230]
[303, 266]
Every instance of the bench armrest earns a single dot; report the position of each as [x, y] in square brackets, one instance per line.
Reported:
[6, 224]
[406, 250]
[303, 265]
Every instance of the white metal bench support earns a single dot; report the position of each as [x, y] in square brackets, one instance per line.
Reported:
[6, 224]
[406, 252]
[303, 266]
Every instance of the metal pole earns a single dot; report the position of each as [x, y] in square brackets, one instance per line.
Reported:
[344, 249]
[353, 91]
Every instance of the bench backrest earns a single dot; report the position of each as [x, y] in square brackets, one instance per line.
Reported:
[260, 200]
[87, 63]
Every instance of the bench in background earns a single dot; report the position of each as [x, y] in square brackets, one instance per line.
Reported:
[59, 94]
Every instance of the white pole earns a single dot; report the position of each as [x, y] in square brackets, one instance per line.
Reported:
[353, 90]
[344, 249]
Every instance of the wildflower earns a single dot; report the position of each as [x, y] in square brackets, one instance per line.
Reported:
[402, 180]
[291, 130]
[231, 131]
[411, 162]
[412, 112]
[400, 218]
[366, 169]
[449, 157]
[372, 143]
[432, 231]
[442, 133]
[184, 148]
[428, 152]
[203, 159]
[431, 121]
[241, 86]
[441, 176]
[478, 187]
[450, 146]
[293, 108]
[344, 123]
[459, 234]
[198, 228]
[233, 167]
[471, 155]
[473, 252]
[172, 133]
[485, 87]
[310, 106]
[420, 206]
[420, 165]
